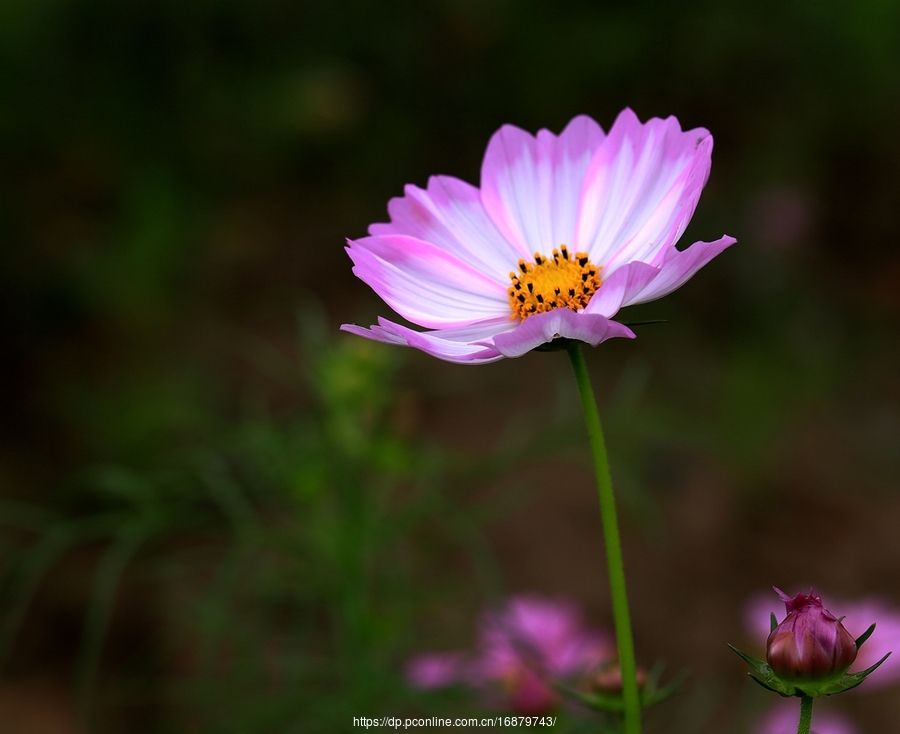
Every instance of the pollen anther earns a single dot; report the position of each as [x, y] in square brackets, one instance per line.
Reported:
[563, 281]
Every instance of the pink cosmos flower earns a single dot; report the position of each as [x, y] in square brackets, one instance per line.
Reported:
[785, 713]
[564, 231]
[523, 647]
[857, 616]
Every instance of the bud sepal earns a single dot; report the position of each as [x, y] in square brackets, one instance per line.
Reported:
[766, 677]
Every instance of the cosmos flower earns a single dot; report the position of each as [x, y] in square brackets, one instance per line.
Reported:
[856, 617]
[564, 231]
[522, 649]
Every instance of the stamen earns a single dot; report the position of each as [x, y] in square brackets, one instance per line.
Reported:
[563, 281]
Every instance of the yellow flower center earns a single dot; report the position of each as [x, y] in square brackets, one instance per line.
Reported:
[562, 281]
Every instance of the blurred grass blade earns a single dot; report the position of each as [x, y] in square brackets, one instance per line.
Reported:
[100, 608]
[227, 494]
[37, 562]
[30, 574]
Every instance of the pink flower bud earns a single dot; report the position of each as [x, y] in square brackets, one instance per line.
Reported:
[608, 679]
[810, 644]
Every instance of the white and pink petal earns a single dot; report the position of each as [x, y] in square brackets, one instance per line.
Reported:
[641, 183]
[543, 328]
[471, 344]
[531, 185]
[620, 288]
[426, 284]
[449, 214]
[677, 269]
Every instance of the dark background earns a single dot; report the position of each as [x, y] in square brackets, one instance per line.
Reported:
[219, 514]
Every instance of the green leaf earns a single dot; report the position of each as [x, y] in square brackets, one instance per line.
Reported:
[647, 322]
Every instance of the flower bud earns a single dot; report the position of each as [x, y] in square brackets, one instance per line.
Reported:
[608, 679]
[810, 644]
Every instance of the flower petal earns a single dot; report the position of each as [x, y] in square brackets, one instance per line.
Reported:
[677, 269]
[376, 333]
[433, 670]
[542, 328]
[466, 345]
[531, 186]
[641, 189]
[450, 215]
[622, 285]
[425, 284]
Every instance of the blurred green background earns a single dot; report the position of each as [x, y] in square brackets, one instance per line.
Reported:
[219, 514]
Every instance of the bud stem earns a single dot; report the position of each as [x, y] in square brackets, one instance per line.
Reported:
[614, 561]
[806, 703]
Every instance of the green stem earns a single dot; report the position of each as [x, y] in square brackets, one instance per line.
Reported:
[615, 564]
[806, 703]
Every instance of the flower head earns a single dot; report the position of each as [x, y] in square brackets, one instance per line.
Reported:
[564, 231]
[810, 652]
[523, 648]
[810, 644]
[859, 614]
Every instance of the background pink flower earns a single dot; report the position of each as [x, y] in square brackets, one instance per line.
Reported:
[545, 635]
[522, 648]
[784, 715]
[436, 670]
